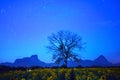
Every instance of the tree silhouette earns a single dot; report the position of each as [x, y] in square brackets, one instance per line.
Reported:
[64, 45]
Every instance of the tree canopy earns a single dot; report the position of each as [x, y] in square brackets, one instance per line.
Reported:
[65, 45]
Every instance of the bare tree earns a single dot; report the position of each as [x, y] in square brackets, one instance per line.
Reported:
[64, 45]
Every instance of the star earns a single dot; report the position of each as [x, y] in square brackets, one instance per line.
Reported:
[3, 11]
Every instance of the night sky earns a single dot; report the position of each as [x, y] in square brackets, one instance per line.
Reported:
[26, 24]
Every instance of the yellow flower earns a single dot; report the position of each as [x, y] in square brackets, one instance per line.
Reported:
[84, 77]
[50, 78]
[23, 79]
[89, 78]
[103, 77]
[77, 77]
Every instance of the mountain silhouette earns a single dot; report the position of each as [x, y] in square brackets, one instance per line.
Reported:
[34, 61]
[102, 61]
[26, 62]
[29, 61]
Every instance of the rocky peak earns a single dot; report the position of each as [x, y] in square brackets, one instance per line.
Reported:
[34, 57]
[101, 58]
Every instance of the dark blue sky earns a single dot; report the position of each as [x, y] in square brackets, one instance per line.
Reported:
[25, 25]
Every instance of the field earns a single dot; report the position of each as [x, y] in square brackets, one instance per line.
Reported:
[63, 74]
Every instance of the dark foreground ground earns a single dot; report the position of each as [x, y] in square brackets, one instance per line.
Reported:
[62, 74]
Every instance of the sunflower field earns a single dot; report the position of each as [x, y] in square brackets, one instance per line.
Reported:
[63, 74]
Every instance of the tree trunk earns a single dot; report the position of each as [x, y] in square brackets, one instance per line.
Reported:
[65, 63]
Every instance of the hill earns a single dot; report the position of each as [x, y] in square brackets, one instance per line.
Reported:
[34, 61]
